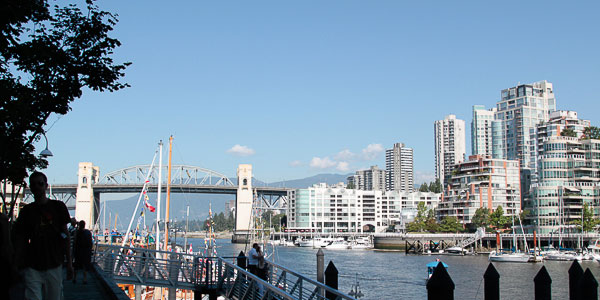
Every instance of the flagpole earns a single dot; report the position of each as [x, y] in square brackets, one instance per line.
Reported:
[167, 210]
[139, 199]
[157, 239]
[187, 216]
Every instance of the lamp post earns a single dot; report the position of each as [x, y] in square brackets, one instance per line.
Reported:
[46, 152]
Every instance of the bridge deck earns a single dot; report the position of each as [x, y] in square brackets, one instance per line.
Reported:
[94, 289]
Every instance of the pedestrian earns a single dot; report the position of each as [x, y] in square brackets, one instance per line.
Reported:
[82, 251]
[262, 266]
[253, 256]
[42, 242]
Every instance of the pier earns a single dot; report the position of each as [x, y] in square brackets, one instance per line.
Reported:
[212, 276]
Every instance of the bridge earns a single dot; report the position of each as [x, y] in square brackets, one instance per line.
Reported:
[84, 196]
[212, 276]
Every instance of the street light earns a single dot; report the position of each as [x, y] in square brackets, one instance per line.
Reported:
[46, 152]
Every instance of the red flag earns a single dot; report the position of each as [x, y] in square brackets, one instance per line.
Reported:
[150, 207]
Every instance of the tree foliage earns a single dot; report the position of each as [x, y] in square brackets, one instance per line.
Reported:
[568, 132]
[589, 222]
[434, 187]
[424, 221]
[498, 220]
[47, 57]
[450, 224]
[481, 218]
[591, 132]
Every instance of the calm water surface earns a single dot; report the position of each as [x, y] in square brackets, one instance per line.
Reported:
[393, 275]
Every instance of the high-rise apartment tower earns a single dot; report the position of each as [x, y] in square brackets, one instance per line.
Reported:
[449, 135]
[399, 168]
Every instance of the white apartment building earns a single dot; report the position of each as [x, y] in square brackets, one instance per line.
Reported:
[328, 209]
[449, 136]
[568, 178]
[521, 109]
[481, 182]
[368, 180]
[486, 133]
[399, 168]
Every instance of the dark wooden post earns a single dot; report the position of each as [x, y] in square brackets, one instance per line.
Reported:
[491, 286]
[543, 285]
[242, 261]
[575, 273]
[440, 286]
[588, 286]
[331, 280]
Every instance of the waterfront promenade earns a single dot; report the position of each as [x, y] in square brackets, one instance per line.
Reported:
[96, 288]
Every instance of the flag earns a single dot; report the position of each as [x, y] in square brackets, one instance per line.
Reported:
[147, 204]
[191, 249]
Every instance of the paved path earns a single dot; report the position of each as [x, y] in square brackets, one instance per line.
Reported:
[77, 291]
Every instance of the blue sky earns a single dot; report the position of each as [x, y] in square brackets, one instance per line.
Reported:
[312, 87]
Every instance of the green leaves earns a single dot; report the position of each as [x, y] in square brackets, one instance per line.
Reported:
[47, 57]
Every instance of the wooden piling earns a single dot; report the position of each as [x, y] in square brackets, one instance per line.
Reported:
[588, 286]
[575, 273]
[543, 285]
[331, 280]
[440, 286]
[491, 286]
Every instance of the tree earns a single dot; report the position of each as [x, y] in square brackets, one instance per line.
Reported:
[436, 186]
[498, 220]
[47, 58]
[589, 222]
[481, 217]
[420, 220]
[591, 132]
[423, 187]
[350, 186]
[568, 132]
[450, 224]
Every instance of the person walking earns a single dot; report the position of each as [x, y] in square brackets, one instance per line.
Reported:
[42, 242]
[82, 251]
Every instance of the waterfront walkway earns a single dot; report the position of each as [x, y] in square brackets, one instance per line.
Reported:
[94, 289]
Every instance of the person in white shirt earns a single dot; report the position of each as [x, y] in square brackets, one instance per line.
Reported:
[253, 257]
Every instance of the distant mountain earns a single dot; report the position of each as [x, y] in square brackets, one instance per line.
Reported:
[309, 181]
[199, 202]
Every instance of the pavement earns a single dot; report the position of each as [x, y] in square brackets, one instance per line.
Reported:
[92, 290]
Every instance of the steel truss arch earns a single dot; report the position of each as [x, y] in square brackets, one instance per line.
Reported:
[180, 174]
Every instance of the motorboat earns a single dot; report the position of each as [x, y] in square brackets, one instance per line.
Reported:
[432, 265]
[338, 243]
[361, 243]
[455, 251]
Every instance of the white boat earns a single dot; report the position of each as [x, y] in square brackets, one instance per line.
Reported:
[509, 257]
[338, 244]
[361, 243]
[305, 242]
[455, 251]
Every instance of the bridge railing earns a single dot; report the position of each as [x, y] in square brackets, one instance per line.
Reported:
[280, 283]
[157, 268]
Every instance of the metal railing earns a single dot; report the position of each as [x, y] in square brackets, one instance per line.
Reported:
[148, 267]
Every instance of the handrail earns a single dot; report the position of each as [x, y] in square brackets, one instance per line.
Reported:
[180, 270]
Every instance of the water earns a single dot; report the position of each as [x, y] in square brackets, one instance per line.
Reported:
[394, 275]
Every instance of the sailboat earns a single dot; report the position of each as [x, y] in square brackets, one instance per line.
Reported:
[514, 256]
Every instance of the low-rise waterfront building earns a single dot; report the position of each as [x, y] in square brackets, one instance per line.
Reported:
[329, 209]
[568, 178]
[481, 181]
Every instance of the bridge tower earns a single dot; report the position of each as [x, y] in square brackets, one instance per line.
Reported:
[243, 204]
[87, 203]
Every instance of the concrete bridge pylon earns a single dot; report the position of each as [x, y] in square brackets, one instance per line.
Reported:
[243, 204]
[87, 205]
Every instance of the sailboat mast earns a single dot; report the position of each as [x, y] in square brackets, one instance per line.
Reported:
[159, 192]
[187, 216]
[167, 211]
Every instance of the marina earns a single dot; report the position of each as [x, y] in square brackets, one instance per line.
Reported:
[394, 275]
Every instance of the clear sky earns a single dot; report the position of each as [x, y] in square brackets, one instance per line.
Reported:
[298, 88]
